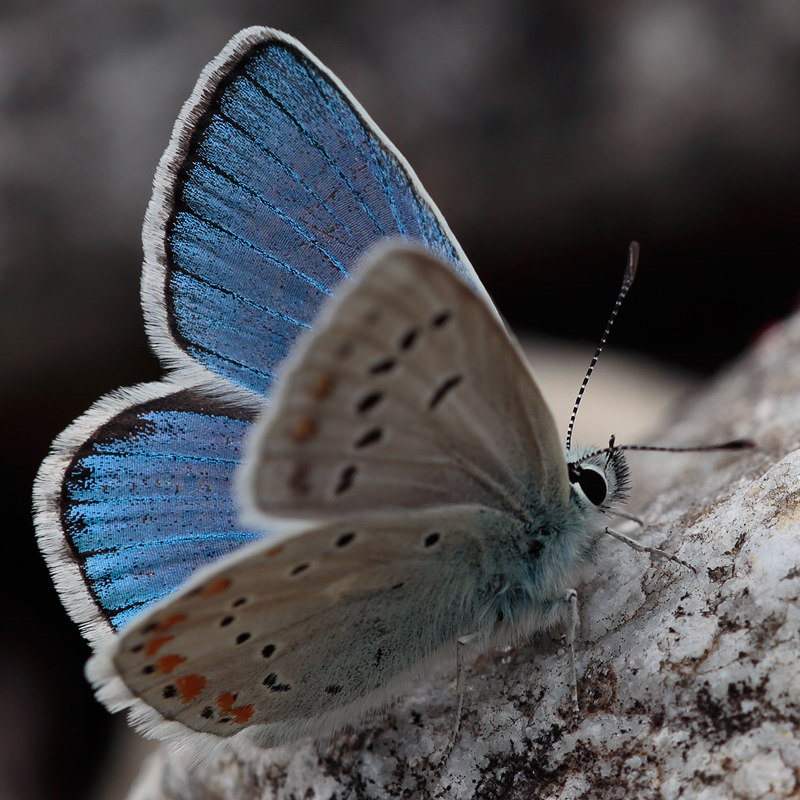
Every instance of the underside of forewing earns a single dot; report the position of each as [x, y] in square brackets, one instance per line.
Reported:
[408, 394]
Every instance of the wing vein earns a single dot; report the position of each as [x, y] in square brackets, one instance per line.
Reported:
[316, 144]
[294, 175]
[293, 223]
[259, 250]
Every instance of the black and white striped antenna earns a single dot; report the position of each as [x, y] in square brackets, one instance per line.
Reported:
[627, 282]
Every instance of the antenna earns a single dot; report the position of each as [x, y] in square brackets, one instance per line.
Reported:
[734, 444]
[627, 282]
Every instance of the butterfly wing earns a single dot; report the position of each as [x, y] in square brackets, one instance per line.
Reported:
[135, 497]
[274, 184]
[306, 635]
[408, 394]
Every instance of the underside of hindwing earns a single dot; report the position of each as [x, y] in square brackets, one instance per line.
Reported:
[308, 632]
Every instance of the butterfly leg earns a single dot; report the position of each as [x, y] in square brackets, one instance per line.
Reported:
[574, 622]
[460, 643]
[653, 552]
[618, 512]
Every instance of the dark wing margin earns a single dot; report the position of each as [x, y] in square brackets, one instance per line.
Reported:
[274, 184]
[135, 496]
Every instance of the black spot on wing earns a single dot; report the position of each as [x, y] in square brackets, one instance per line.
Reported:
[271, 681]
[346, 479]
[408, 339]
[383, 366]
[443, 390]
[369, 401]
[441, 318]
[345, 539]
[372, 436]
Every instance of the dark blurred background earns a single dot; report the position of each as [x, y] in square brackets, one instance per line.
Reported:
[549, 133]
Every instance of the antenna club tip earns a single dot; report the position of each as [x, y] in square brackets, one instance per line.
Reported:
[739, 444]
[633, 260]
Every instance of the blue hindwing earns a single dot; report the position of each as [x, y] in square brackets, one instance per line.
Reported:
[147, 500]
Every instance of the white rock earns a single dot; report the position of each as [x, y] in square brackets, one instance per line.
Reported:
[765, 773]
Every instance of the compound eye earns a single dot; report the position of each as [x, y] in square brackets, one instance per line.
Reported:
[594, 485]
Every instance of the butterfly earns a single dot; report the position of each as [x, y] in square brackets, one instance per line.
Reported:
[404, 492]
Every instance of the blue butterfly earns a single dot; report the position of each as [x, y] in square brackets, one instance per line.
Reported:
[273, 188]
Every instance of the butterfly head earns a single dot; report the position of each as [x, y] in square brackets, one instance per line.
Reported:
[598, 479]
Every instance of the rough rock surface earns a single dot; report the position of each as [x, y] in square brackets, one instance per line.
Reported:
[690, 684]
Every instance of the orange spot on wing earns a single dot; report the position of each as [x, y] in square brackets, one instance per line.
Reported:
[304, 430]
[166, 664]
[274, 551]
[240, 714]
[225, 701]
[214, 587]
[155, 644]
[166, 623]
[322, 388]
[190, 686]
